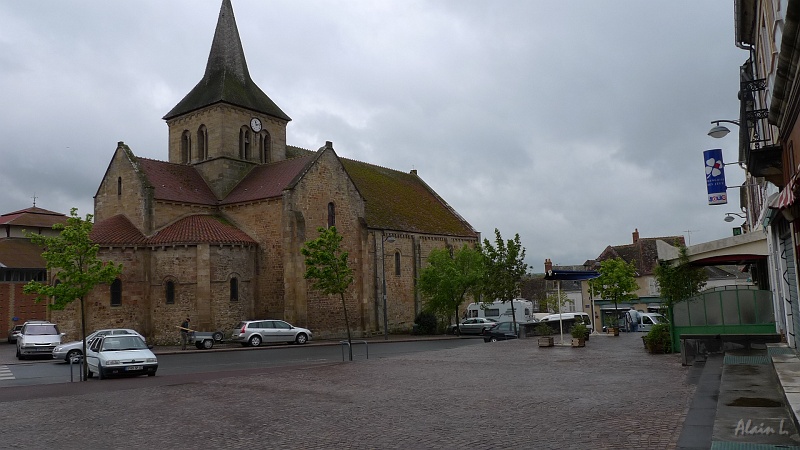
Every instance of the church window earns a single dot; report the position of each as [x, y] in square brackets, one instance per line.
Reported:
[119, 185]
[234, 289]
[244, 143]
[397, 264]
[186, 147]
[116, 292]
[202, 143]
[331, 215]
[265, 147]
[170, 292]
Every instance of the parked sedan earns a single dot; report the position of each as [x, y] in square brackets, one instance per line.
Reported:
[75, 348]
[502, 332]
[254, 332]
[120, 354]
[13, 334]
[473, 325]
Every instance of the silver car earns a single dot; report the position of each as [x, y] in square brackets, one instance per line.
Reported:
[74, 349]
[254, 332]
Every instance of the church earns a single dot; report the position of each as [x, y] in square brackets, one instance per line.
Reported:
[214, 233]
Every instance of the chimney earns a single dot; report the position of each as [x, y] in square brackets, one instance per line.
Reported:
[548, 265]
[636, 235]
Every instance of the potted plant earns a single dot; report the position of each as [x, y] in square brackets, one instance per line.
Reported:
[658, 340]
[545, 335]
[579, 332]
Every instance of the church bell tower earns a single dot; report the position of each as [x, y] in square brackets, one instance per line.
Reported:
[226, 125]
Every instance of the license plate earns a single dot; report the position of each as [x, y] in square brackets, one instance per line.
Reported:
[134, 368]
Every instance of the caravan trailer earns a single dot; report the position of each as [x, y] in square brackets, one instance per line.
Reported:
[501, 312]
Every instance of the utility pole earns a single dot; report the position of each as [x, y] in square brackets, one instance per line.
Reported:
[689, 236]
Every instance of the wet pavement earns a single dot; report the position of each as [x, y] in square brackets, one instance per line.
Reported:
[610, 394]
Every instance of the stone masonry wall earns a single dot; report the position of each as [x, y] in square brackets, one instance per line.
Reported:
[130, 202]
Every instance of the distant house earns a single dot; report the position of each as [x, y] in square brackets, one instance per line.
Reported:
[20, 262]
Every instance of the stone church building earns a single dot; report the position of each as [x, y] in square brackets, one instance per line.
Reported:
[215, 232]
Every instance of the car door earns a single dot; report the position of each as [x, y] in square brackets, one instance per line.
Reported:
[283, 331]
[646, 323]
[267, 331]
[92, 353]
[468, 326]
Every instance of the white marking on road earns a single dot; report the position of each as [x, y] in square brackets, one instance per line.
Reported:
[5, 373]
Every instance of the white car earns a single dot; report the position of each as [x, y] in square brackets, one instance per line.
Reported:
[120, 354]
[74, 349]
[37, 338]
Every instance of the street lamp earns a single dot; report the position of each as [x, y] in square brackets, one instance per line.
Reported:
[729, 216]
[720, 131]
[385, 239]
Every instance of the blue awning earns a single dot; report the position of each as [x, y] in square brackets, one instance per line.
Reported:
[572, 275]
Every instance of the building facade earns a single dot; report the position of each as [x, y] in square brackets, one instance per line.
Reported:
[215, 232]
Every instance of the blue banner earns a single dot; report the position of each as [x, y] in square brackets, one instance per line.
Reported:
[715, 177]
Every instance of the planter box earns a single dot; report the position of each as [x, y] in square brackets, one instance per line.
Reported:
[545, 341]
[576, 342]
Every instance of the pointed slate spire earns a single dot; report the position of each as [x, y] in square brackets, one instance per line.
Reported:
[226, 78]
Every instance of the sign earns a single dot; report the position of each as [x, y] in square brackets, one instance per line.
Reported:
[737, 231]
[715, 177]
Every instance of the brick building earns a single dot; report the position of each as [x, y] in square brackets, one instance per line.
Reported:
[20, 262]
[215, 232]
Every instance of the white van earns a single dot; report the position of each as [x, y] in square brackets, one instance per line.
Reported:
[501, 312]
[647, 320]
[568, 319]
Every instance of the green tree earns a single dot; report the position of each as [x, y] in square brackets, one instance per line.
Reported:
[617, 282]
[71, 257]
[680, 281]
[448, 278]
[326, 266]
[552, 302]
[503, 270]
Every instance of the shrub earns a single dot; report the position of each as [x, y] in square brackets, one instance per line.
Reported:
[543, 329]
[579, 331]
[658, 340]
[425, 323]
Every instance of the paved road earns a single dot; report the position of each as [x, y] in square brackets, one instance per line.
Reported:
[610, 394]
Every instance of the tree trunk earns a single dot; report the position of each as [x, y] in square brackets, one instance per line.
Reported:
[347, 324]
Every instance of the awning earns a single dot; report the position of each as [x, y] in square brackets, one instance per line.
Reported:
[786, 198]
[572, 275]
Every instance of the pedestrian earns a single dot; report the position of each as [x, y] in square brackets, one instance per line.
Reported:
[633, 319]
[184, 333]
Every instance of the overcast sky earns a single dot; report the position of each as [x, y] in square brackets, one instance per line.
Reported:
[571, 123]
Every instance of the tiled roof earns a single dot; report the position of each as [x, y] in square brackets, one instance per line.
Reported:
[643, 253]
[196, 229]
[118, 230]
[402, 201]
[268, 181]
[20, 253]
[33, 217]
[176, 182]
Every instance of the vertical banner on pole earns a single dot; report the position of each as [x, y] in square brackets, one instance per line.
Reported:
[715, 177]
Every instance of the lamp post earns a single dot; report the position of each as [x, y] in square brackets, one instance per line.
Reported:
[384, 239]
[729, 216]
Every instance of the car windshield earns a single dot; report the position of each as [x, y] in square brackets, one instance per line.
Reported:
[118, 343]
[41, 330]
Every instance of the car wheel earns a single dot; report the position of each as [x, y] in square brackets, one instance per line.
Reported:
[73, 354]
[301, 338]
[151, 374]
[89, 374]
[208, 343]
[255, 340]
[100, 375]
[199, 345]
[218, 336]
[492, 339]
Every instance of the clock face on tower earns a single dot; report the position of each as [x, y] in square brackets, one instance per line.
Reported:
[255, 124]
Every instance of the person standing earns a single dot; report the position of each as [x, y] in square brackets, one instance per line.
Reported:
[634, 319]
[184, 333]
